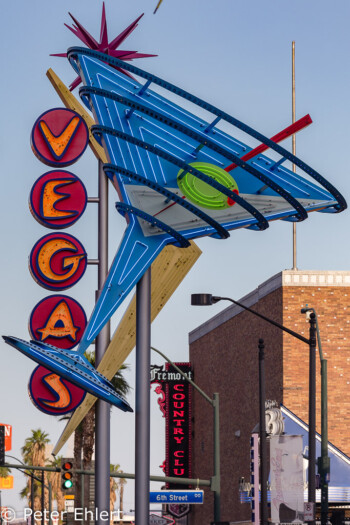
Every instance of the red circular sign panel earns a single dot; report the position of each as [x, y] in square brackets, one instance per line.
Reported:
[58, 320]
[57, 261]
[59, 137]
[53, 394]
[58, 199]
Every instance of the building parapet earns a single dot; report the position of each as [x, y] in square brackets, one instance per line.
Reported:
[315, 278]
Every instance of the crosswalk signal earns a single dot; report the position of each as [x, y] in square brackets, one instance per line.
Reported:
[2, 445]
[67, 474]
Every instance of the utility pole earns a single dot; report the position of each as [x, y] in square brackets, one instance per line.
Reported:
[263, 442]
[294, 153]
[312, 413]
[102, 422]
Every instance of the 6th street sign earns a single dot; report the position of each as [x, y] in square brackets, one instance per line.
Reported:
[177, 496]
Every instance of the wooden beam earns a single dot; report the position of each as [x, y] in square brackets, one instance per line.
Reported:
[168, 270]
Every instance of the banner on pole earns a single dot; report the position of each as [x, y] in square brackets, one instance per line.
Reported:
[287, 486]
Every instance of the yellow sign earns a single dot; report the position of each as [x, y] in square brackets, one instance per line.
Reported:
[69, 496]
[6, 483]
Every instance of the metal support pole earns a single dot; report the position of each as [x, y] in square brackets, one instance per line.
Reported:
[31, 467]
[1, 520]
[82, 481]
[324, 463]
[294, 153]
[263, 444]
[102, 422]
[125, 475]
[42, 497]
[50, 502]
[312, 414]
[32, 498]
[217, 485]
[142, 416]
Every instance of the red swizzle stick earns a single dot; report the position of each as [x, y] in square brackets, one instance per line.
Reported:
[284, 134]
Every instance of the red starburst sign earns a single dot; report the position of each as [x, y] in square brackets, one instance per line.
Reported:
[104, 45]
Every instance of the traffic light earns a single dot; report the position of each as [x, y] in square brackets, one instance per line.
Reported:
[2, 445]
[67, 474]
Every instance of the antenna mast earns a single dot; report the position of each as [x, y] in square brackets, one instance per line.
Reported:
[294, 153]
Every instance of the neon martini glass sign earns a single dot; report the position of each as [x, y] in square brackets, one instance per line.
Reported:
[168, 166]
[178, 177]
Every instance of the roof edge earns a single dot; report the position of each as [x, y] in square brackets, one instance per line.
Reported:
[304, 278]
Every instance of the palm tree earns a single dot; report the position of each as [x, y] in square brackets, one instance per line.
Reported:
[78, 447]
[113, 486]
[4, 472]
[55, 479]
[33, 453]
[88, 424]
[34, 447]
[121, 483]
[116, 486]
[84, 437]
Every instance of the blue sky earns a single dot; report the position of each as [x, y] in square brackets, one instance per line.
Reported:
[235, 54]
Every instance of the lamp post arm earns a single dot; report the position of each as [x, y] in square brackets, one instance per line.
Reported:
[23, 466]
[32, 467]
[13, 457]
[185, 376]
[22, 470]
[274, 323]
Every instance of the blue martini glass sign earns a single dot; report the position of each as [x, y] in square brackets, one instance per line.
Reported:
[168, 167]
[178, 177]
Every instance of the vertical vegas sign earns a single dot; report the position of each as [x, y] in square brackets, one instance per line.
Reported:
[58, 260]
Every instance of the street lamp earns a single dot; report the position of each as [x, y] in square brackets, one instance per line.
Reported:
[208, 299]
[215, 480]
[42, 481]
[323, 461]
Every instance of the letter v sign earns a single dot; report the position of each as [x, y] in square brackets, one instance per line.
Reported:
[59, 137]
[58, 144]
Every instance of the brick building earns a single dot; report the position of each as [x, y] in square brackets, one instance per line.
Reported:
[224, 356]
